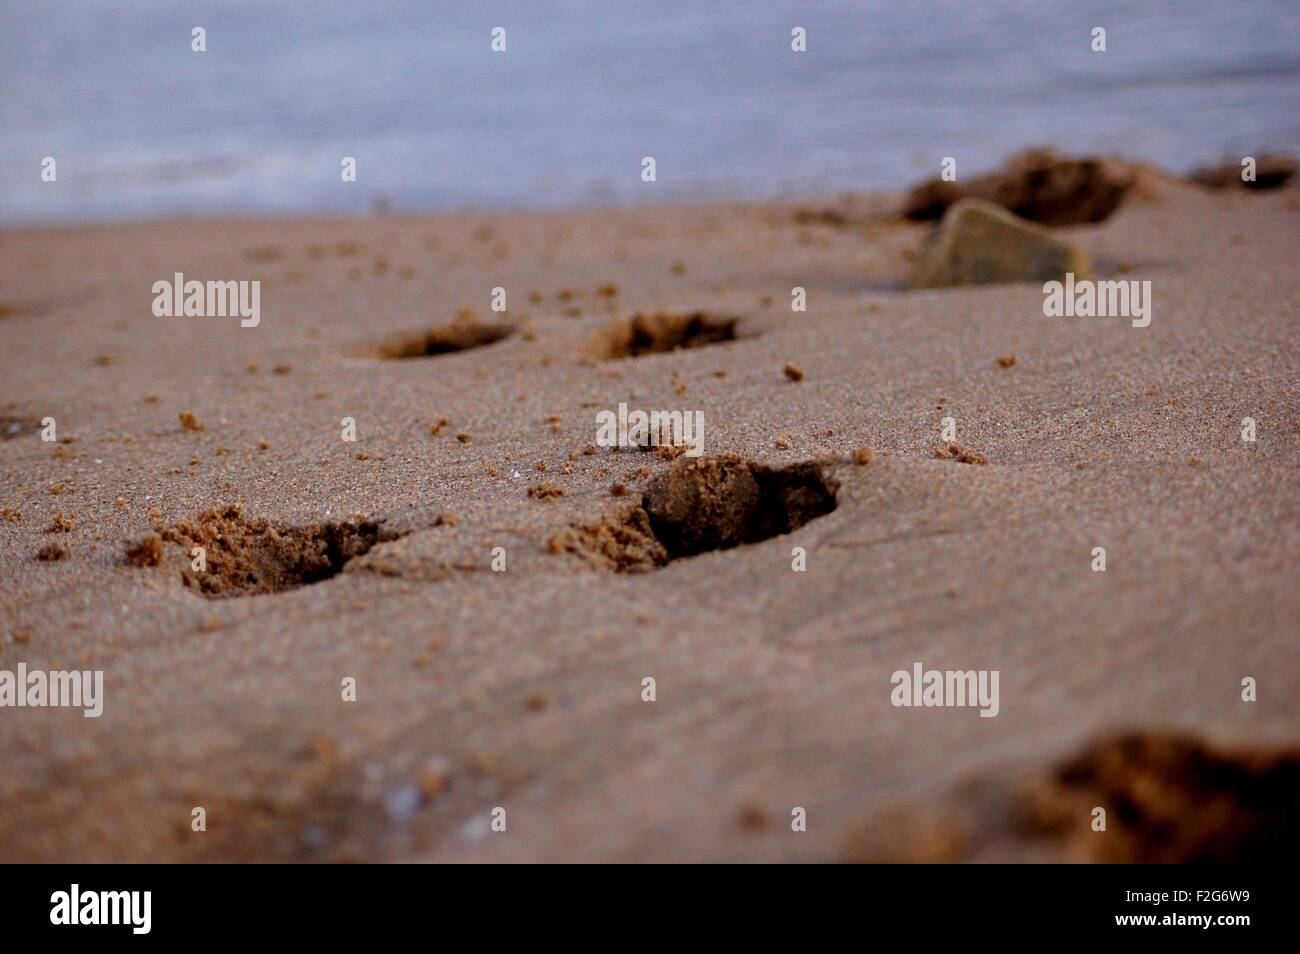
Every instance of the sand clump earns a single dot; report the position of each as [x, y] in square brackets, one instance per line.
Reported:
[147, 551]
[621, 542]
[52, 552]
[546, 490]
[962, 455]
[248, 556]
[1169, 798]
[61, 523]
[1037, 185]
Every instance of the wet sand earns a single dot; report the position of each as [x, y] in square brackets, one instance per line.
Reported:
[523, 689]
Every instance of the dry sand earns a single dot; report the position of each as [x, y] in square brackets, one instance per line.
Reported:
[522, 689]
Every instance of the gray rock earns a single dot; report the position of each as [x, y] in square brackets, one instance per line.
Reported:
[978, 243]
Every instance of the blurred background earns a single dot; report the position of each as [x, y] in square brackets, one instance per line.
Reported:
[141, 126]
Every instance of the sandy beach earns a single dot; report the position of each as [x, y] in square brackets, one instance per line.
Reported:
[480, 687]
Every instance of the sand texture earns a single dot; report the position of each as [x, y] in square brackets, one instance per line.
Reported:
[373, 560]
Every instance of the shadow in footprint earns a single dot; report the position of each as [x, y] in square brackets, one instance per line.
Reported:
[464, 333]
[662, 332]
[702, 505]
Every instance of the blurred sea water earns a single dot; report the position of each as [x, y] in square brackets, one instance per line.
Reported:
[141, 126]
